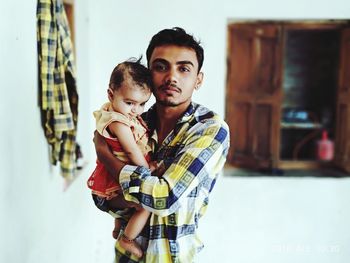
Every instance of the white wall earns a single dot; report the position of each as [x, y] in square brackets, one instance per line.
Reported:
[39, 222]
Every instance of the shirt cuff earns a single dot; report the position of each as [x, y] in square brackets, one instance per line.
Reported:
[130, 178]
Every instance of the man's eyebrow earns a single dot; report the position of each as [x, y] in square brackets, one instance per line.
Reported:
[160, 60]
[181, 62]
[185, 62]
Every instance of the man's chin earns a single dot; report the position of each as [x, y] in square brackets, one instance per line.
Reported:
[168, 103]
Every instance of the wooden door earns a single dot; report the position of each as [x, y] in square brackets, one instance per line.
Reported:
[253, 99]
[342, 143]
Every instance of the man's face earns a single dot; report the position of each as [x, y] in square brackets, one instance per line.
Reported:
[174, 71]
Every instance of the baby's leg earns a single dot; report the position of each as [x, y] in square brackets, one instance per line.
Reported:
[135, 225]
[117, 226]
[118, 203]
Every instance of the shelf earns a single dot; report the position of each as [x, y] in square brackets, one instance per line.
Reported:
[300, 125]
[297, 164]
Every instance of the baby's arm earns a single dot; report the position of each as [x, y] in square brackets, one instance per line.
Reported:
[127, 141]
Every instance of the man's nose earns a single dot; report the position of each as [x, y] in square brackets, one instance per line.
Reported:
[171, 77]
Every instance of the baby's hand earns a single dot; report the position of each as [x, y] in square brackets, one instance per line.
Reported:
[153, 166]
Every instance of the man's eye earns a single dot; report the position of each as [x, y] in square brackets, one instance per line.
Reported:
[159, 67]
[184, 69]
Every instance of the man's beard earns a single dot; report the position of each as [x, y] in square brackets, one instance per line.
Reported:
[168, 103]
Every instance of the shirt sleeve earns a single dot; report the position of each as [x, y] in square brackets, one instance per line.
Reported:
[202, 154]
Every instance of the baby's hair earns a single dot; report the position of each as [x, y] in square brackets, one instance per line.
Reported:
[133, 69]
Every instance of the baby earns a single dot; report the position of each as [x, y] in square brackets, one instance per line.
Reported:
[119, 122]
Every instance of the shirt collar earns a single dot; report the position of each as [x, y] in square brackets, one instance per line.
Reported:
[150, 116]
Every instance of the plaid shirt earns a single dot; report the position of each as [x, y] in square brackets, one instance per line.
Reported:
[58, 97]
[190, 159]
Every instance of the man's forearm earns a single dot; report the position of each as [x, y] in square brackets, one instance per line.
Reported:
[112, 164]
[104, 155]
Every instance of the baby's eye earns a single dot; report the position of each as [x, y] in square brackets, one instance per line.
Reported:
[143, 104]
[129, 103]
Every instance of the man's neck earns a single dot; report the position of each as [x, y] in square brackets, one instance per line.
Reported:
[167, 118]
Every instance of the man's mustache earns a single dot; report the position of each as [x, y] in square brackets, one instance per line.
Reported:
[169, 86]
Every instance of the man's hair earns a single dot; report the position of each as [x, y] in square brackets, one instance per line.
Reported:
[133, 69]
[178, 37]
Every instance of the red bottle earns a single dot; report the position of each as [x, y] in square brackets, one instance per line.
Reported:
[325, 148]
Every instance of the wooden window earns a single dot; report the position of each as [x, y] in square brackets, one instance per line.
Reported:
[280, 68]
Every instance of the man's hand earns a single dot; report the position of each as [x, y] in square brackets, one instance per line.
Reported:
[105, 155]
[100, 144]
[156, 168]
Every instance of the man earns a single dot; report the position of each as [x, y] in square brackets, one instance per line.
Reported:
[190, 144]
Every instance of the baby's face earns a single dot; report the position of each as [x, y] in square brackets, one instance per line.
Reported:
[129, 99]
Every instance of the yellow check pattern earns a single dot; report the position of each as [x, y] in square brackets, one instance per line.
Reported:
[190, 159]
[58, 98]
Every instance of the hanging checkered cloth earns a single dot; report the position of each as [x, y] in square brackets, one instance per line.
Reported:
[58, 98]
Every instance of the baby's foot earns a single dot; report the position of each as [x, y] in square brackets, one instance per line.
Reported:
[131, 246]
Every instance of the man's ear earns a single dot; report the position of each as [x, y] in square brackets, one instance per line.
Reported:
[199, 80]
[110, 94]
